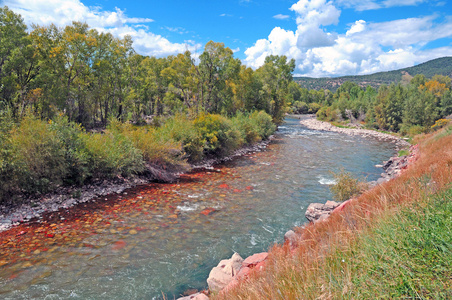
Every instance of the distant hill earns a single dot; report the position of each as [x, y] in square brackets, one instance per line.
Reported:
[441, 66]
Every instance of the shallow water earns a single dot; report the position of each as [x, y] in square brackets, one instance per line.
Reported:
[165, 238]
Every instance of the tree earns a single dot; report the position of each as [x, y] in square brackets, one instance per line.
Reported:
[18, 64]
[275, 75]
[217, 67]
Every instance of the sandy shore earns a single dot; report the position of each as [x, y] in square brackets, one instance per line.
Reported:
[312, 123]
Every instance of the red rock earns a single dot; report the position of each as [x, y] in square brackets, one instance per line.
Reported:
[237, 191]
[119, 245]
[342, 206]
[243, 273]
[223, 186]
[208, 211]
[254, 259]
[260, 266]
[50, 235]
[249, 188]
[230, 285]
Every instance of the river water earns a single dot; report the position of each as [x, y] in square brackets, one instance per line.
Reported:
[162, 239]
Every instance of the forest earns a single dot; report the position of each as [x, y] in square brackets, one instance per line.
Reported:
[414, 105]
[78, 105]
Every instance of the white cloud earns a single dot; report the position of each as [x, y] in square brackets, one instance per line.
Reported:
[281, 17]
[366, 47]
[63, 12]
[361, 5]
[392, 3]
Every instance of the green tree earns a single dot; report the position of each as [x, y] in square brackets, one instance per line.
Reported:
[275, 75]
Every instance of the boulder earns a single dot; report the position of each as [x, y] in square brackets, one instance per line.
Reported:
[254, 259]
[223, 274]
[197, 296]
[318, 211]
[291, 238]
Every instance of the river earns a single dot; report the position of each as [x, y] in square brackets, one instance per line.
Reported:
[164, 238]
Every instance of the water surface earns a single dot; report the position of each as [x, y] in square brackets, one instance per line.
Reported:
[165, 238]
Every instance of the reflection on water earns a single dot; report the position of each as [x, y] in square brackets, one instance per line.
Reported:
[166, 237]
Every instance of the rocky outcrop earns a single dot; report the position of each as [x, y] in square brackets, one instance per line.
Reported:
[396, 164]
[229, 271]
[319, 212]
[224, 273]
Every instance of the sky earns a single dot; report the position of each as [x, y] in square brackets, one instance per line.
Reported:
[327, 38]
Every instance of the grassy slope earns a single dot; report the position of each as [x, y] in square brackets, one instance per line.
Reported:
[394, 241]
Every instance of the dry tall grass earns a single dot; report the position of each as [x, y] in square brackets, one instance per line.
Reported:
[309, 270]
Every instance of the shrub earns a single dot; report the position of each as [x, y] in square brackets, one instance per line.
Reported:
[440, 124]
[264, 124]
[155, 147]
[327, 113]
[75, 153]
[314, 108]
[219, 134]
[112, 154]
[181, 129]
[247, 127]
[36, 159]
[346, 186]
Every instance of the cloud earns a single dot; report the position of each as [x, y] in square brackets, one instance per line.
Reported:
[280, 17]
[365, 47]
[63, 12]
[362, 5]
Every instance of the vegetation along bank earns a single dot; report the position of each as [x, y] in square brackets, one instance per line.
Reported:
[81, 108]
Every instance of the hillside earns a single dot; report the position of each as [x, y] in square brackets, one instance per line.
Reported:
[442, 66]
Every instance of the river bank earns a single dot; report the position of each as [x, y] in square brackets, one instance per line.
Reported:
[15, 213]
[165, 238]
[229, 273]
[381, 235]
[313, 123]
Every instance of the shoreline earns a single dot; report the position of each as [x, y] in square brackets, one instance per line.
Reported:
[220, 281]
[33, 208]
[312, 123]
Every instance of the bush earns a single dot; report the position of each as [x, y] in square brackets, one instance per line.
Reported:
[264, 124]
[181, 129]
[346, 186]
[314, 108]
[112, 154]
[35, 161]
[156, 148]
[75, 153]
[440, 124]
[327, 113]
[219, 134]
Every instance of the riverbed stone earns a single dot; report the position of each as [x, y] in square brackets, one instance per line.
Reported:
[223, 274]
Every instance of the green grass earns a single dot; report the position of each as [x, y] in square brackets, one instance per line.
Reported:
[404, 152]
[406, 256]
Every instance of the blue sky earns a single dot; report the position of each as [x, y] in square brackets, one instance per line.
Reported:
[325, 37]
